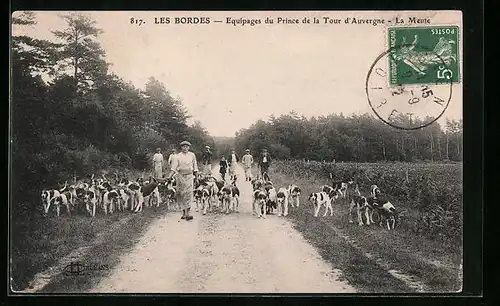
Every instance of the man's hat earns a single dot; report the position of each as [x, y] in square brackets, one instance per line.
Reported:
[158, 149]
[207, 147]
[185, 143]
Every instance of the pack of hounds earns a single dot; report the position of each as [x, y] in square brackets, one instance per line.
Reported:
[211, 194]
[266, 199]
[347, 191]
[120, 194]
[108, 195]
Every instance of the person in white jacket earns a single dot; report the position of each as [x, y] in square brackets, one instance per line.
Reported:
[247, 161]
[158, 164]
[233, 162]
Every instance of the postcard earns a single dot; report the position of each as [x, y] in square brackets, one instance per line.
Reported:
[262, 152]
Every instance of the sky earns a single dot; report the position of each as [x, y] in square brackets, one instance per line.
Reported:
[231, 75]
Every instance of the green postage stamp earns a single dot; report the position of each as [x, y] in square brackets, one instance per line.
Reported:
[426, 55]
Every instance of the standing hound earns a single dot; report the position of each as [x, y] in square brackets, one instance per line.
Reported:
[61, 199]
[361, 204]
[282, 201]
[321, 199]
[384, 208]
[48, 196]
[170, 193]
[271, 197]
[128, 190]
[225, 196]
[91, 198]
[213, 188]
[235, 194]
[198, 194]
[259, 203]
[293, 195]
[110, 198]
[205, 199]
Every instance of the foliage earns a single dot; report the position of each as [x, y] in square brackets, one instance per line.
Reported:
[357, 138]
[71, 116]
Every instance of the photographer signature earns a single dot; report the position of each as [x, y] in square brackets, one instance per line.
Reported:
[80, 269]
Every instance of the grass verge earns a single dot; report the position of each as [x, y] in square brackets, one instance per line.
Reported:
[432, 263]
[56, 238]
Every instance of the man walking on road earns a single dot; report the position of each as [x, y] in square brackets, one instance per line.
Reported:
[171, 157]
[264, 163]
[158, 164]
[247, 161]
[233, 162]
[186, 168]
[207, 161]
[223, 165]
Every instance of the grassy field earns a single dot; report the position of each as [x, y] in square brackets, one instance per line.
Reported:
[424, 251]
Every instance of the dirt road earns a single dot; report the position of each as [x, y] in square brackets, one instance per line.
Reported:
[219, 253]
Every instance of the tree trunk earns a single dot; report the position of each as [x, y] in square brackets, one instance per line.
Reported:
[403, 147]
[439, 146]
[383, 150]
[447, 148]
[432, 147]
[397, 149]
[75, 61]
[415, 151]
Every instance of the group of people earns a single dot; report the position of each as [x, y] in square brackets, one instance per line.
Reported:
[185, 167]
[248, 161]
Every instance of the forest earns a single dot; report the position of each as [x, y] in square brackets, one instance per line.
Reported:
[355, 138]
[70, 115]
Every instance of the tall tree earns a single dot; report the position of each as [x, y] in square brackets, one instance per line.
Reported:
[81, 53]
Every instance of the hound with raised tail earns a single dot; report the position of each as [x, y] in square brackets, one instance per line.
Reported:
[333, 193]
[342, 185]
[147, 190]
[321, 199]
[62, 200]
[214, 190]
[68, 194]
[91, 200]
[170, 193]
